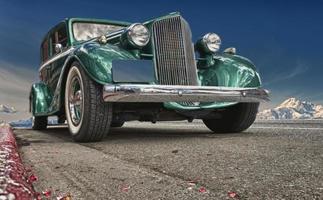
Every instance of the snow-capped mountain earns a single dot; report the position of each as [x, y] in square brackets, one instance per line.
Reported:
[293, 109]
[7, 109]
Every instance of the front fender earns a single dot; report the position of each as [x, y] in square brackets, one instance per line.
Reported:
[222, 70]
[229, 71]
[97, 59]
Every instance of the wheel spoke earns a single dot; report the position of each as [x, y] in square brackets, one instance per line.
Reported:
[75, 100]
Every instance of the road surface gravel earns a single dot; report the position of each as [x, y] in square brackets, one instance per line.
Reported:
[179, 161]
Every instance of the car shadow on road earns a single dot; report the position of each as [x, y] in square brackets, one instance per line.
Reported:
[150, 133]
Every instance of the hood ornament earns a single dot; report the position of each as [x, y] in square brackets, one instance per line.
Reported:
[102, 39]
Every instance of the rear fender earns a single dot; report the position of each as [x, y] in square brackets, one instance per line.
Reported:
[40, 99]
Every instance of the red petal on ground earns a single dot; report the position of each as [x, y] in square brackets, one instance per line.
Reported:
[232, 194]
[38, 196]
[32, 178]
[202, 189]
[14, 173]
[64, 197]
[125, 188]
[47, 193]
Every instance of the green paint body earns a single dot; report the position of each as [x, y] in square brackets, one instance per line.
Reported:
[223, 70]
[213, 70]
[41, 99]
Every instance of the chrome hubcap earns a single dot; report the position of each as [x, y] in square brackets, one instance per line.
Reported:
[75, 100]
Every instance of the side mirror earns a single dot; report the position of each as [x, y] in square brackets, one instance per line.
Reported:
[230, 50]
[58, 48]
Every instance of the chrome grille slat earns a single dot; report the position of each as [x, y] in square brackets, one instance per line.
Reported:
[190, 56]
[174, 53]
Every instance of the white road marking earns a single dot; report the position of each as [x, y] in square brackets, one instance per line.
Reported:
[186, 125]
[285, 128]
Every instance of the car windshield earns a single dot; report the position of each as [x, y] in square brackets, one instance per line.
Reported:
[84, 31]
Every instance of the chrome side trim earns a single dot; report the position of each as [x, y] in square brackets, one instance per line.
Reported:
[58, 56]
[70, 49]
[109, 36]
[115, 34]
[180, 93]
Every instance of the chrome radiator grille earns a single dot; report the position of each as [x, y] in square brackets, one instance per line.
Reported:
[174, 53]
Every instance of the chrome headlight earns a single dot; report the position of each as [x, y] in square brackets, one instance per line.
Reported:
[138, 35]
[208, 44]
[212, 41]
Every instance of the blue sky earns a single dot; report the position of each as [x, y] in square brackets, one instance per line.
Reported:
[283, 38]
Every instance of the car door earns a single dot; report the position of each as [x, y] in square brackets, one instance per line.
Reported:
[58, 55]
[44, 72]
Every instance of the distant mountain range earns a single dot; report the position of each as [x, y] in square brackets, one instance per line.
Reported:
[293, 108]
[7, 109]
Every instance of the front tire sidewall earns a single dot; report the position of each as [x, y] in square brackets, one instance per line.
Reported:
[74, 71]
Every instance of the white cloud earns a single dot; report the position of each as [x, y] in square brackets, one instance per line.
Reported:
[15, 84]
[299, 69]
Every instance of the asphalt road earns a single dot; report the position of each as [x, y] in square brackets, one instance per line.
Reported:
[180, 161]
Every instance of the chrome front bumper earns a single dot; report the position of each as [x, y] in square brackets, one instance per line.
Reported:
[179, 93]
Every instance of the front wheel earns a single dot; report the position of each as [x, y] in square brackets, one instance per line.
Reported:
[88, 116]
[233, 119]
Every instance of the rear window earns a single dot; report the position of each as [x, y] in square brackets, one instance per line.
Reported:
[83, 31]
[44, 50]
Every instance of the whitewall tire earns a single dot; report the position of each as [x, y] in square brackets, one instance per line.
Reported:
[87, 115]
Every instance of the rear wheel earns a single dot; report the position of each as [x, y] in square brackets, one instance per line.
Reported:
[234, 119]
[88, 116]
[39, 123]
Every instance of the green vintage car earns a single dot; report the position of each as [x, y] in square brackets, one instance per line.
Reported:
[98, 74]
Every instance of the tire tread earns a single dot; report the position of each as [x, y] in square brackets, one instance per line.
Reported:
[97, 113]
[234, 119]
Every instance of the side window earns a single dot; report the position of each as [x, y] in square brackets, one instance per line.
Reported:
[44, 50]
[59, 36]
[52, 44]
